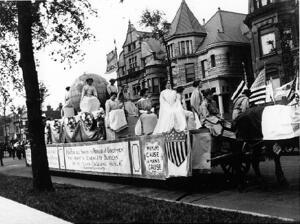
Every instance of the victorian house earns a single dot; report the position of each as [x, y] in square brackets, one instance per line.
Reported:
[274, 37]
[141, 64]
[216, 52]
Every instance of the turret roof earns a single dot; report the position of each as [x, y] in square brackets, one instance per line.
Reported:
[185, 22]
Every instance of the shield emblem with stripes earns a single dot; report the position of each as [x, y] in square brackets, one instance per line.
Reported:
[176, 147]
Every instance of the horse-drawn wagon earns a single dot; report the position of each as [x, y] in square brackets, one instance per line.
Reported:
[173, 154]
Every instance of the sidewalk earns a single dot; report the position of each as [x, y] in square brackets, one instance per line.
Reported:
[12, 212]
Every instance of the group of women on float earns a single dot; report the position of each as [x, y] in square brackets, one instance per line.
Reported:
[172, 109]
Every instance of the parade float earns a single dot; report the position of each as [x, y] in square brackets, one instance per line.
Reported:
[79, 144]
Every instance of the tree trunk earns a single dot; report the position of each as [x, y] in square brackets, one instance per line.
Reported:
[40, 170]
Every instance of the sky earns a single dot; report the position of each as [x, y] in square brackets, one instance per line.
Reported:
[112, 23]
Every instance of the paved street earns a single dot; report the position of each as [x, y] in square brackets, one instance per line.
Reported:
[208, 191]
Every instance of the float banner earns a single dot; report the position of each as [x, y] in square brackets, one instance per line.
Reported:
[201, 150]
[136, 159]
[111, 157]
[154, 157]
[61, 157]
[52, 155]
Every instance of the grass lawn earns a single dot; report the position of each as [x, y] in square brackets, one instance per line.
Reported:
[86, 205]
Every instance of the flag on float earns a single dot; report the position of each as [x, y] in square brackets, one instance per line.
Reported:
[284, 90]
[294, 89]
[270, 92]
[239, 90]
[112, 61]
[258, 89]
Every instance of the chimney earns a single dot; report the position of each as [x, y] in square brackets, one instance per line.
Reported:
[203, 21]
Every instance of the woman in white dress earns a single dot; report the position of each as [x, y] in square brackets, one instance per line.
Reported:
[89, 101]
[189, 115]
[115, 115]
[171, 112]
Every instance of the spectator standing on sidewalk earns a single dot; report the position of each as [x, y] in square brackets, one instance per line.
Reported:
[13, 149]
[1, 154]
[19, 150]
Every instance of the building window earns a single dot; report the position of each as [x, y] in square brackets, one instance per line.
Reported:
[138, 89]
[203, 68]
[265, 2]
[261, 3]
[268, 43]
[179, 51]
[129, 48]
[143, 64]
[134, 88]
[133, 46]
[170, 50]
[122, 71]
[144, 84]
[228, 57]
[287, 37]
[182, 47]
[213, 61]
[155, 85]
[132, 62]
[190, 72]
[149, 85]
[187, 47]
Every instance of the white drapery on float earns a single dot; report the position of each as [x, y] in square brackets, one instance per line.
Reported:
[280, 122]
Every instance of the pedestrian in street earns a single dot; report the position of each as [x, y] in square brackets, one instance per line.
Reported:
[13, 150]
[19, 150]
[1, 154]
[23, 149]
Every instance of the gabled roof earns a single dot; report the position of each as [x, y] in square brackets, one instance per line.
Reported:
[185, 23]
[150, 45]
[224, 27]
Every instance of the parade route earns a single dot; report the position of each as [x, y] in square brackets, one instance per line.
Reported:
[275, 201]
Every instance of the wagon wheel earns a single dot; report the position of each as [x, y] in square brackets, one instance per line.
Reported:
[229, 170]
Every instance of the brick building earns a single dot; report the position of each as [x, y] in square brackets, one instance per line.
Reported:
[212, 52]
[274, 37]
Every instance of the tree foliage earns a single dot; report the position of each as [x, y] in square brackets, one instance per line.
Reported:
[5, 100]
[44, 92]
[160, 27]
[25, 28]
[59, 24]
[155, 21]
